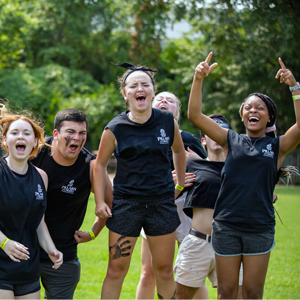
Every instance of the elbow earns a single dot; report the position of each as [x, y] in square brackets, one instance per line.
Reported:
[192, 116]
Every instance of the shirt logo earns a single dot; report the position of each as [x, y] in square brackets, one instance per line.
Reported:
[39, 194]
[268, 152]
[69, 189]
[163, 138]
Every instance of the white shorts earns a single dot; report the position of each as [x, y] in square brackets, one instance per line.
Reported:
[195, 261]
[183, 229]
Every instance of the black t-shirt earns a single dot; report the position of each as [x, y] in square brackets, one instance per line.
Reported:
[191, 141]
[22, 206]
[205, 189]
[245, 201]
[143, 167]
[68, 192]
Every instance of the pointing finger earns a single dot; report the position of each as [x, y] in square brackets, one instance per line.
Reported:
[281, 63]
[208, 58]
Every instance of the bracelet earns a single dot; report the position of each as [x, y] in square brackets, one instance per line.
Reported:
[296, 97]
[178, 187]
[294, 88]
[92, 234]
[4, 243]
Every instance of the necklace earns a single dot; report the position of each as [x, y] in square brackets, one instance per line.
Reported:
[132, 117]
[252, 144]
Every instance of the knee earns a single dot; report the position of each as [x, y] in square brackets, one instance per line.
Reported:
[163, 271]
[227, 292]
[147, 277]
[116, 271]
[254, 293]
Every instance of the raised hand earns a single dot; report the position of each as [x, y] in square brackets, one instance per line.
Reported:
[203, 69]
[285, 75]
[16, 251]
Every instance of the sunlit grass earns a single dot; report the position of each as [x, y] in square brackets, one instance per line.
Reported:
[283, 278]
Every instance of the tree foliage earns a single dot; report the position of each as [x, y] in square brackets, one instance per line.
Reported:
[62, 53]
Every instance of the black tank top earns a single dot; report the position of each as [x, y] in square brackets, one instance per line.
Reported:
[68, 192]
[22, 206]
[245, 201]
[143, 167]
[204, 191]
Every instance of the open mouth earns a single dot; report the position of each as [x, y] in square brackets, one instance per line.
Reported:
[140, 98]
[163, 107]
[20, 148]
[73, 148]
[253, 120]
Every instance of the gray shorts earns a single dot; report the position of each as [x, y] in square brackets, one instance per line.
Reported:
[60, 283]
[21, 289]
[157, 215]
[227, 241]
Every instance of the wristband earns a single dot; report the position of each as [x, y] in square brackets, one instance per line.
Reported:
[92, 234]
[4, 243]
[296, 97]
[178, 187]
[294, 88]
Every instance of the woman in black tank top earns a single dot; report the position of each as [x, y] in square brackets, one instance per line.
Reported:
[140, 139]
[22, 207]
[244, 211]
[169, 102]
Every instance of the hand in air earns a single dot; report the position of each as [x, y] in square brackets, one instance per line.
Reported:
[285, 75]
[203, 69]
[16, 251]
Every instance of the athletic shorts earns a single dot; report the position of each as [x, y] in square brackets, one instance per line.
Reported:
[21, 289]
[227, 241]
[195, 261]
[158, 216]
[62, 282]
[185, 225]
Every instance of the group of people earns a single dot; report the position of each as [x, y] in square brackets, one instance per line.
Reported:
[224, 196]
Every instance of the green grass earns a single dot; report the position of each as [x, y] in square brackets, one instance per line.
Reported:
[283, 278]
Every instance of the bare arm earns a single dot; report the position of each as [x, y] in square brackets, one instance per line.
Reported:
[47, 244]
[106, 148]
[178, 158]
[195, 115]
[44, 237]
[292, 137]
[85, 236]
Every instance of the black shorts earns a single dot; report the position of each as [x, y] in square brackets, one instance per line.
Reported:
[21, 289]
[157, 215]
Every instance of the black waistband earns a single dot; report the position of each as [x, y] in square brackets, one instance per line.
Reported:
[200, 235]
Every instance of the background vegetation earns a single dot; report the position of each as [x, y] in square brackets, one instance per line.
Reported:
[62, 53]
[283, 277]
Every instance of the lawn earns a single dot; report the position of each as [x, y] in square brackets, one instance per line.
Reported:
[283, 278]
